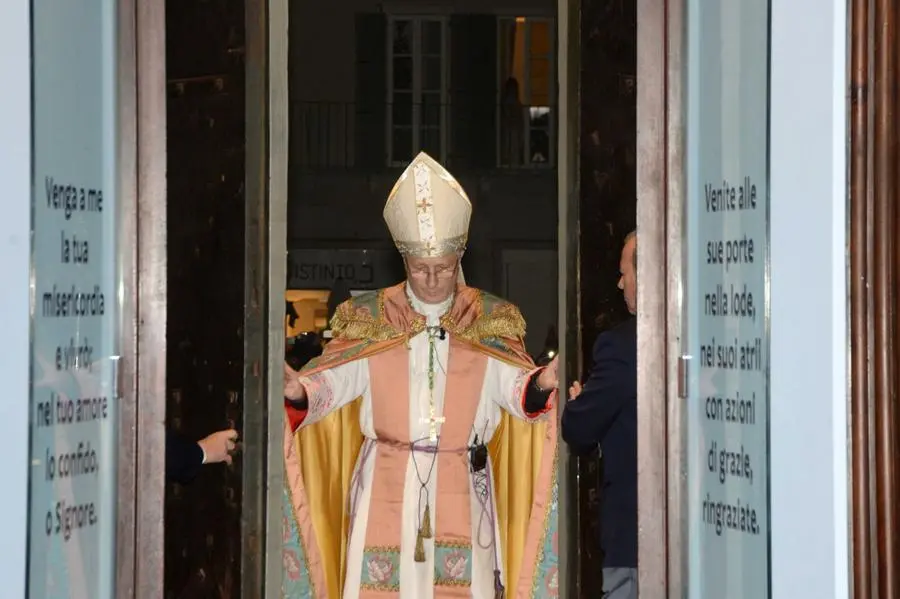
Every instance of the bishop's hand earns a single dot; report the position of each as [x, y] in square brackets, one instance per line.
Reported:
[293, 390]
[548, 379]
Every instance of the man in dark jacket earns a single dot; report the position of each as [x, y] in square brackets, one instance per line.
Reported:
[604, 412]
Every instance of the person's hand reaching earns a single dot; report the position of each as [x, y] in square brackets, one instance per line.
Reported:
[574, 391]
[219, 446]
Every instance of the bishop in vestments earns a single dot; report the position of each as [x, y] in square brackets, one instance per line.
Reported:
[420, 448]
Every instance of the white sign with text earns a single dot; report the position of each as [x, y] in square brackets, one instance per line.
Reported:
[727, 299]
[72, 518]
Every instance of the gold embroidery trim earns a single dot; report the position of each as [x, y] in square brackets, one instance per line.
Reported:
[432, 249]
[356, 323]
[453, 545]
[504, 320]
[300, 539]
[379, 586]
[352, 323]
[541, 555]
[449, 582]
[376, 549]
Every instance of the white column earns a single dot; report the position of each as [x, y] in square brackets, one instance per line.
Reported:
[809, 427]
[15, 260]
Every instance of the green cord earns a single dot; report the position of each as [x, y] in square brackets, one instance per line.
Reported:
[431, 351]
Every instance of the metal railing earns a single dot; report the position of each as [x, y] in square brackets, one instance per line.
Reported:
[327, 135]
[322, 135]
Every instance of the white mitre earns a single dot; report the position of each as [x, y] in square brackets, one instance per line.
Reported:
[428, 211]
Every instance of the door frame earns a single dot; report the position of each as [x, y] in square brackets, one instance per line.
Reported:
[267, 106]
[660, 195]
[660, 216]
[568, 23]
[141, 90]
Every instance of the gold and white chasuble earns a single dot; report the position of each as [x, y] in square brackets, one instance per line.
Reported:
[373, 508]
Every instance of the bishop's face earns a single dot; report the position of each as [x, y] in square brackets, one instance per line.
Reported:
[432, 280]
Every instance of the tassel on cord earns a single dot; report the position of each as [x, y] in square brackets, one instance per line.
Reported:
[426, 523]
[419, 555]
[499, 591]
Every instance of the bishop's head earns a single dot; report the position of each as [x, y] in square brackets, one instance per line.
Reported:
[428, 214]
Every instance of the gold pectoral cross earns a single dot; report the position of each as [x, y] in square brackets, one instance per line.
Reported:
[432, 421]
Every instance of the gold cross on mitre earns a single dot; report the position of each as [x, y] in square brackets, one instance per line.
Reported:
[427, 211]
[432, 422]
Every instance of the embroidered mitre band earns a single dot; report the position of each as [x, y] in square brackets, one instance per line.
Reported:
[427, 211]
